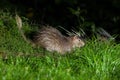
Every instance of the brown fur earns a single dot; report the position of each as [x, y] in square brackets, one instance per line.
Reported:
[52, 40]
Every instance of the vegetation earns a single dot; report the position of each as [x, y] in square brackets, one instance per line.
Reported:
[97, 60]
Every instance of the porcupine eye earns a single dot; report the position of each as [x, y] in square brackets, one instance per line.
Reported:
[79, 38]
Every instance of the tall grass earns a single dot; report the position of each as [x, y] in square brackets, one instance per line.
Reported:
[95, 61]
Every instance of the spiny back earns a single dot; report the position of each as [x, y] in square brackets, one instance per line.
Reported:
[48, 33]
[52, 39]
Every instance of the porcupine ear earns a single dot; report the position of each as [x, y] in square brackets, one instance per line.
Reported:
[81, 34]
[75, 37]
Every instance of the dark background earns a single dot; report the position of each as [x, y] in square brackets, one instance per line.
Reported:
[101, 13]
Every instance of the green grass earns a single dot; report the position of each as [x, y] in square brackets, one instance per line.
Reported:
[95, 61]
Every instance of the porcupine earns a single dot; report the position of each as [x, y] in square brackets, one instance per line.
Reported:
[52, 39]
